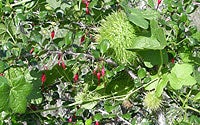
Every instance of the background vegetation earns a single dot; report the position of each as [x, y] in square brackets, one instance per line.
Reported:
[99, 62]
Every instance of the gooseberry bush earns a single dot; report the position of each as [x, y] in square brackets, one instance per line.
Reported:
[84, 62]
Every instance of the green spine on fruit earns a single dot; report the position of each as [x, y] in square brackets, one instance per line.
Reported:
[152, 102]
[117, 29]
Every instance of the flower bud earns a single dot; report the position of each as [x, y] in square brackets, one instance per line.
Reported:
[96, 123]
[70, 120]
[63, 65]
[98, 76]
[82, 39]
[43, 78]
[52, 34]
[76, 77]
[103, 71]
[31, 51]
[173, 60]
[159, 1]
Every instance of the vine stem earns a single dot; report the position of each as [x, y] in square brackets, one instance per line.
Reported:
[107, 97]
[161, 58]
[133, 91]
[191, 108]
[11, 36]
[19, 3]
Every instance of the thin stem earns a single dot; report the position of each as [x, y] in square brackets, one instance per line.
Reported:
[191, 108]
[133, 91]
[107, 97]
[11, 36]
[161, 58]
[19, 3]
[187, 97]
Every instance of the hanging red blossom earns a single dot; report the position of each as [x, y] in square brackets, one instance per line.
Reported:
[70, 119]
[59, 58]
[43, 78]
[76, 77]
[96, 123]
[173, 60]
[52, 34]
[103, 71]
[87, 10]
[31, 51]
[82, 39]
[63, 65]
[98, 76]
[84, 1]
[159, 1]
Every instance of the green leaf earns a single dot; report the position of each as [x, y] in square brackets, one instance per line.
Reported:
[138, 20]
[2, 28]
[67, 38]
[54, 3]
[4, 93]
[161, 85]
[104, 46]
[126, 116]
[153, 84]
[142, 42]
[197, 97]
[109, 107]
[190, 8]
[36, 36]
[2, 66]
[158, 33]
[196, 36]
[98, 117]
[175, 83]
[141, 73]
[154, 57]
[180, 75]
[150, 14]
[18, 93]
[118, 82]
[151, 3]
[88, 122]
[182, 70]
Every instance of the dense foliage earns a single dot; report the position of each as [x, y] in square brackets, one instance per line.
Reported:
[99, 62]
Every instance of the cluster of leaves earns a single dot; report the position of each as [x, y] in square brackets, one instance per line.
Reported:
[62, 63]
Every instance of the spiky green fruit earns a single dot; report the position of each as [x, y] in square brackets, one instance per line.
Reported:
[117, 29]
[152, 102]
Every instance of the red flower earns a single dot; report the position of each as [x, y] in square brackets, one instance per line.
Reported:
[31, 51]
[52, 34]
[87, 4]
[87, 10]
[82, 39]
[159, 1]
[43, 78]
[96, 123]
[70, 119]
[59, 58]
[85, 1]
[173, 60]
[76, 77]
[1, 74]
[98, 76]
[103, 71]
[63, 65]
